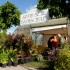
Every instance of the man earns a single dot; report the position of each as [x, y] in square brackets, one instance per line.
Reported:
[59, 40]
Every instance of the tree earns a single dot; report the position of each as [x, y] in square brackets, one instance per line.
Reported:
[53, 7]
[57, 8]
[9, 15]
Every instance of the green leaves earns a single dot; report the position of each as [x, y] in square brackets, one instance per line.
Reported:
[40, 5]
[63, 62]
[3, 56]
[9, 15]
[57, 8]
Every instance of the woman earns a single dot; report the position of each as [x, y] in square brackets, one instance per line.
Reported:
[55, 44]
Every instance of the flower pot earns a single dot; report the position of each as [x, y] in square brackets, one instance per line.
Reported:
[15, 63]
[23, 60]
[26, 60]
[19, 61]
[9, 63]
[4, 65]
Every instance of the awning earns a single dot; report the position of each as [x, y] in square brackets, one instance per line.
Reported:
[48, 28]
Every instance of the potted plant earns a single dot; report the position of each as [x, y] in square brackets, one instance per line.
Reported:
[3, 58]
[11, 56]
[15, 60]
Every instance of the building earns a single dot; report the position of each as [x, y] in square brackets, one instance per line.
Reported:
[36, 24]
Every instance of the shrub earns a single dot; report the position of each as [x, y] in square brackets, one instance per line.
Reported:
[3, 37]
[19, 42]
[63, 62]
[3, 57]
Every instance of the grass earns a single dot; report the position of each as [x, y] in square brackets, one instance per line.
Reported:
[36, 64]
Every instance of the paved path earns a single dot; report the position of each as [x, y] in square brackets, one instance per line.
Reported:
[16, 68]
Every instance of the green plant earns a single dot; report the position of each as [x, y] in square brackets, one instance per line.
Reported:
[3, 57]
[3, 37]
[63, 62]
[20, 43]
[11, 54]
[65, 45]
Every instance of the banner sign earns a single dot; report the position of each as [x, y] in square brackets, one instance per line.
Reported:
[34, 16]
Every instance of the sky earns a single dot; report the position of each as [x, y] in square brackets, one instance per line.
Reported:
[22, 5]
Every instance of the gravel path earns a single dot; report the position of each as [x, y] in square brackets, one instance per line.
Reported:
[16, 68]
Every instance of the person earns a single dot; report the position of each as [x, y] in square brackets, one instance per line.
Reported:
[52, 54]
[54, 42]
[50, 43]
[59, 40]
[55, 48]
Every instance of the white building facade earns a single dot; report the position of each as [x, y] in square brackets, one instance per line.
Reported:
[36, 23]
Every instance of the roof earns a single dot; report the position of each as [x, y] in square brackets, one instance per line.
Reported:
[48, 28]
[51, 22]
